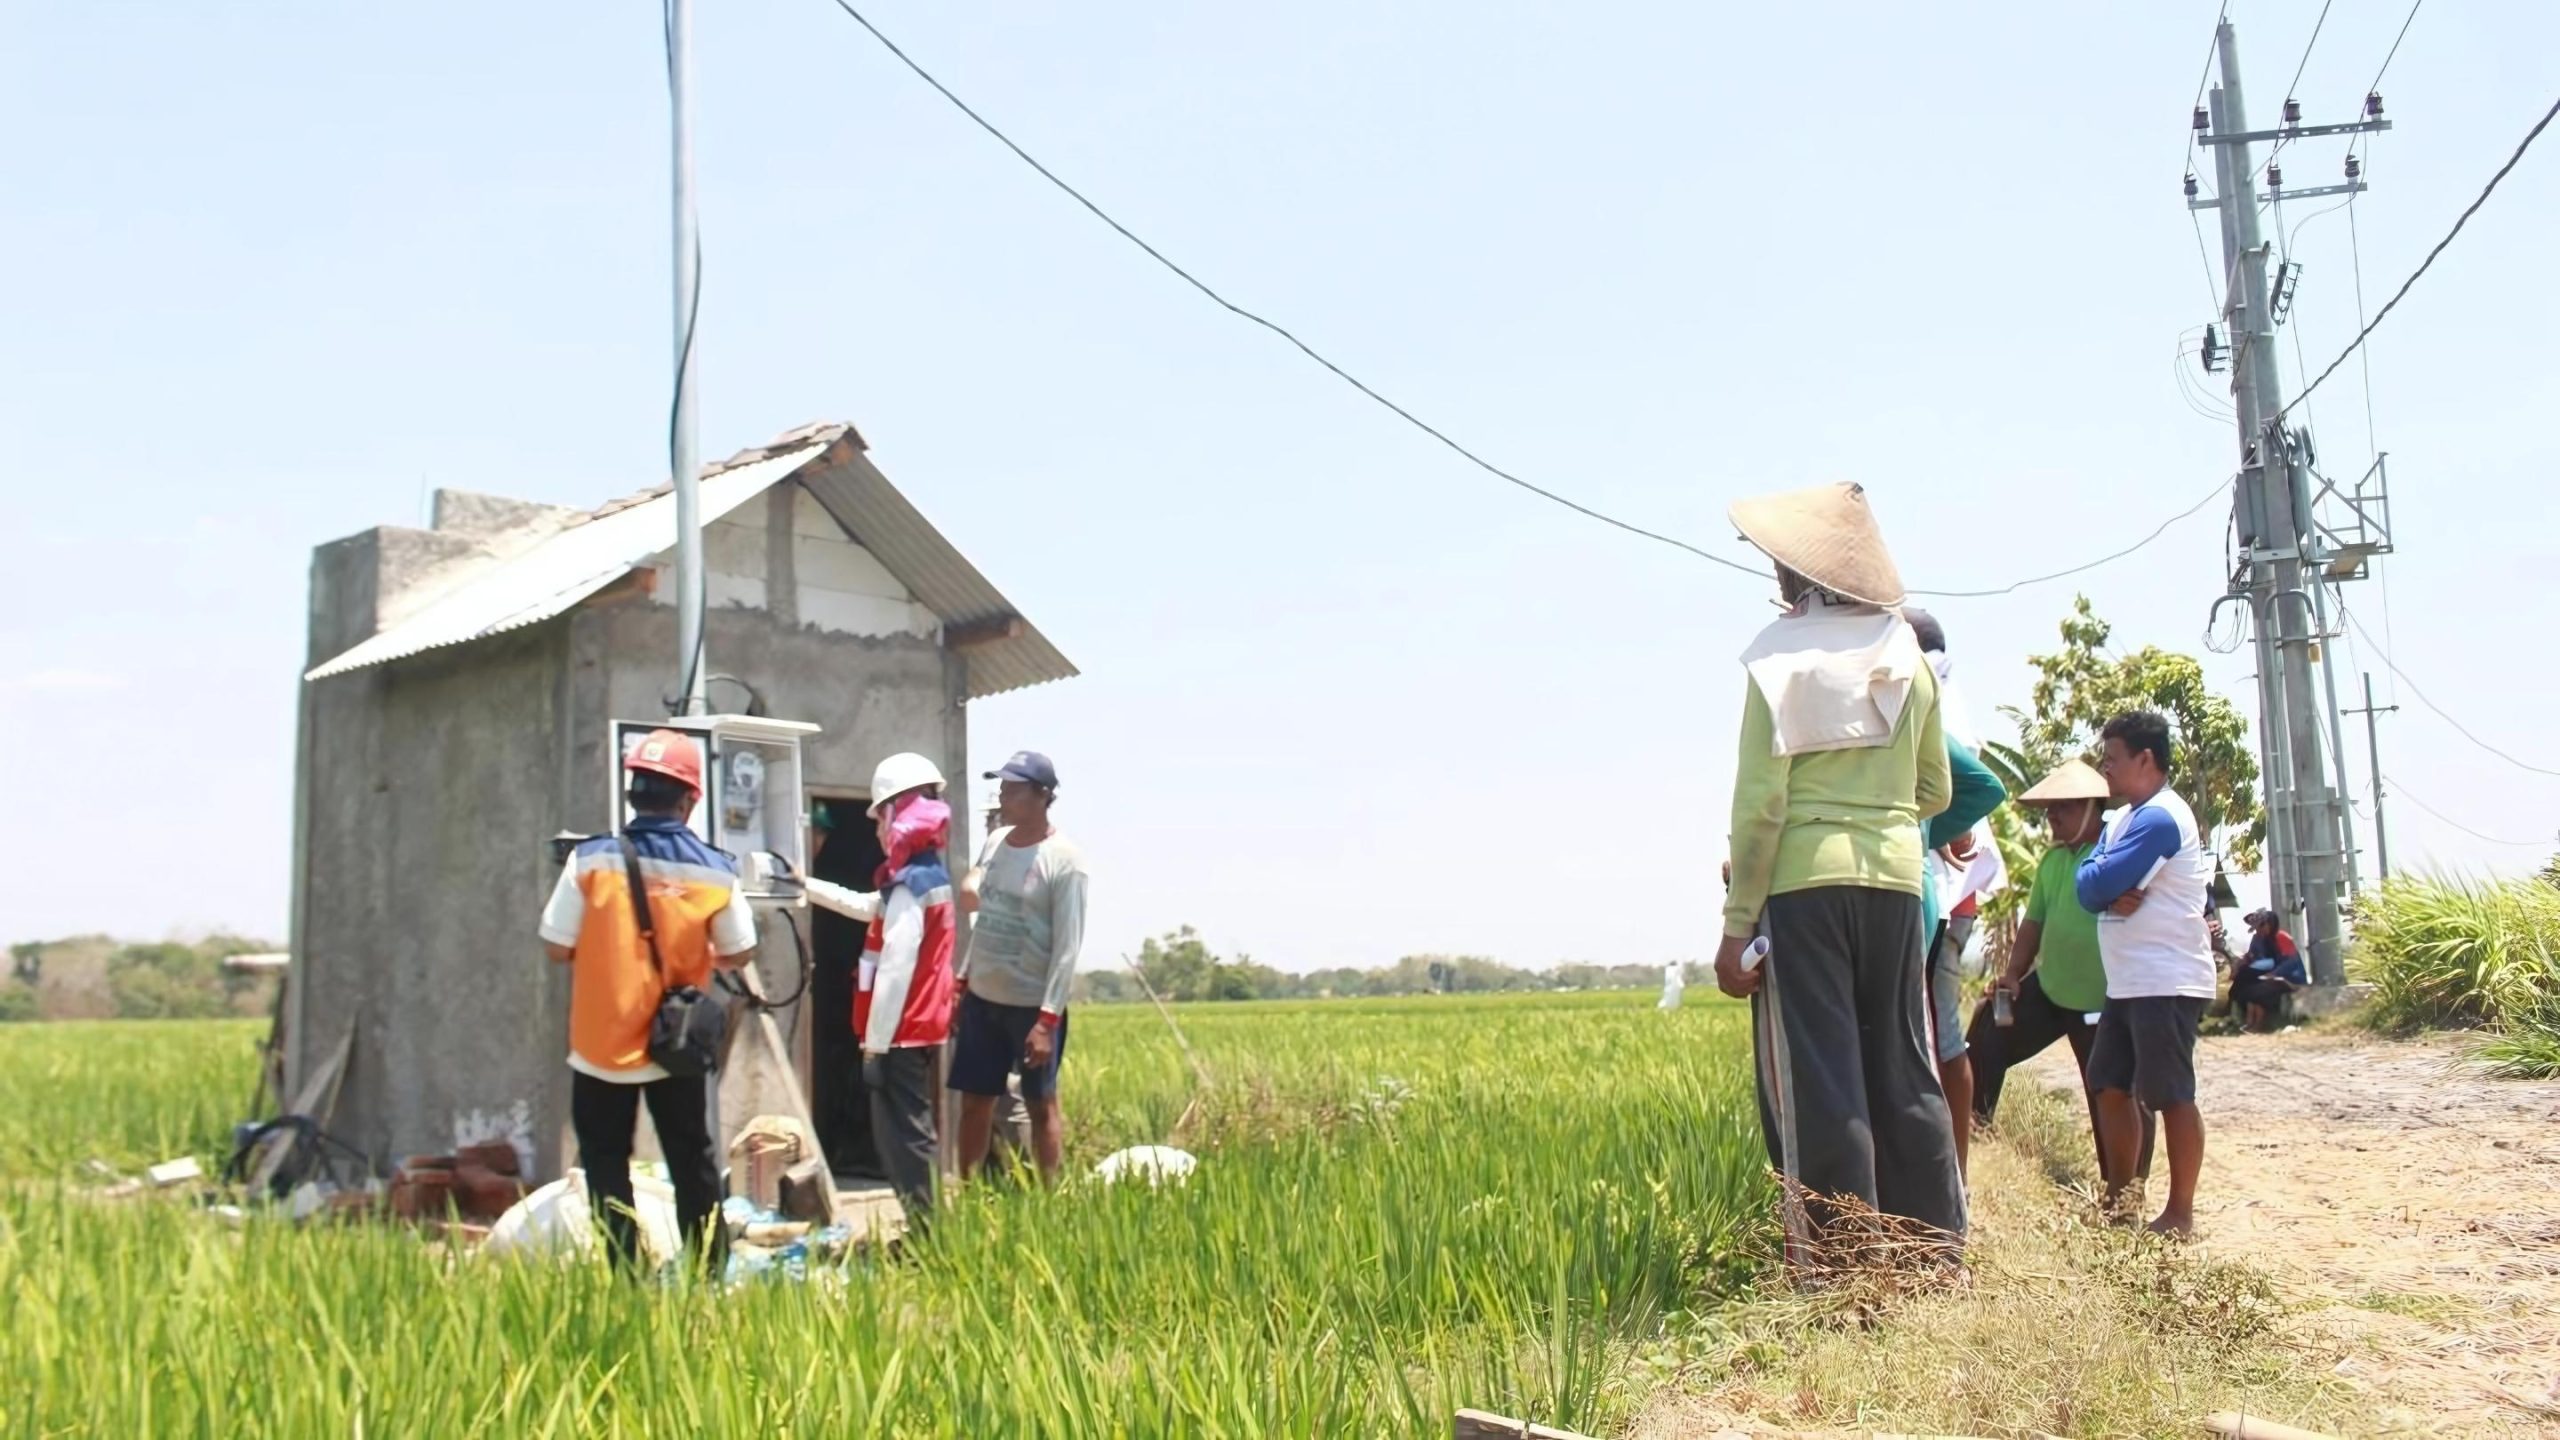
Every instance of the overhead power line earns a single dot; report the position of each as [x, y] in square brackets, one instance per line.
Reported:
[2220, 487]
[2402, 792]
[1196, 283]
[2204, 77]
[2393, 53]
[2441, 713]
[2300, 65]
[1240, 312]
[2473, 209]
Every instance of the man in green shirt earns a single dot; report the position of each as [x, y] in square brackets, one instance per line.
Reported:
[1842, 759]
[2054, 984]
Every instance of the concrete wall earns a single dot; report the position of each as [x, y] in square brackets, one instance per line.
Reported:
[783, 553]
[429, 787]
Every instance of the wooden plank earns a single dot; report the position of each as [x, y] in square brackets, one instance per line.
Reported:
[984, 632]
[1483, 1425]
[318, 1100]
[2251, 1427]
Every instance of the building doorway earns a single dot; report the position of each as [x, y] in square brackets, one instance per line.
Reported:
[840, 1109]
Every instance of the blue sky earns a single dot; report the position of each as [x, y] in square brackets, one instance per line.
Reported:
[279, 269]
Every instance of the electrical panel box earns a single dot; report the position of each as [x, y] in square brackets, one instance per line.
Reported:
[752, 803]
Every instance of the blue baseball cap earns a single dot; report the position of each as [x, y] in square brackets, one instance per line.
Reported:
[1030, 767]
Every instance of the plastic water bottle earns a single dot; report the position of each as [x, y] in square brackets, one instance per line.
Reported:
[1754, 953]
[2002, 1012]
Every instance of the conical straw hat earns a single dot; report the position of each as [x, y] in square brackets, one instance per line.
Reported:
[1827, 535]
[2072, 780]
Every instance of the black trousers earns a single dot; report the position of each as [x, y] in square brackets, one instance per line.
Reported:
[2035, 1023]
[1849, 1096]
[605, 1115]
[905, 1126]
[2254, 990]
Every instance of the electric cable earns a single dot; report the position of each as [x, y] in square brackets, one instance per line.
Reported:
[2403, 792]
[2441, 713]
[2388, 56]
[2212, 295]
[2220, 487]
[2298, 69]
[1275, 328]
[1284, 333]
[683, 701]
[2473, 209]
[2204, 77]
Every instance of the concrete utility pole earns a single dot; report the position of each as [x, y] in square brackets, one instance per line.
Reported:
[680, 440]
[2373, 751]
[2287, 559]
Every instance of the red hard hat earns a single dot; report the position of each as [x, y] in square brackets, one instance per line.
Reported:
[670, 753]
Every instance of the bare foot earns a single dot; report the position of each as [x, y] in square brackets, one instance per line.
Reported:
[2181, 1228]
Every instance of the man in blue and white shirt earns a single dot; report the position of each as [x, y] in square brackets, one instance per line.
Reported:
[2145, 882]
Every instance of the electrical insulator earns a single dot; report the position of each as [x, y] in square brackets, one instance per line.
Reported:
[2293, 112]
[2275, 177]
[2191, 182]
[2204, 122]
[2373, 105]
[2355, 167]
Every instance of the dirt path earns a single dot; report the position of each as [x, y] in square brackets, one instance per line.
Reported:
[2408, 1203]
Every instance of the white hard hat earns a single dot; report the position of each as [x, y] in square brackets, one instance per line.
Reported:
[899, 774]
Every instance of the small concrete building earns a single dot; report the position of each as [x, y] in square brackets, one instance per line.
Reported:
[456, 716]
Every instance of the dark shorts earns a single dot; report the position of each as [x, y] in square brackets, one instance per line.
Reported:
[2146, 1046]
[987, 1047]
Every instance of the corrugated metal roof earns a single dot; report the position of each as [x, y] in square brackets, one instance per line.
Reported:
[884, 522]
[557, 573]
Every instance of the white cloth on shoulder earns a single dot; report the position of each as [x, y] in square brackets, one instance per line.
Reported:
[1836, 675]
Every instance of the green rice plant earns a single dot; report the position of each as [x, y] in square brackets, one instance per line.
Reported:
[128, 1093]
[2443, 950]
[1402, 1207]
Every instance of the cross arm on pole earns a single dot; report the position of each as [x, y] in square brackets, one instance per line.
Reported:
[2295, 132]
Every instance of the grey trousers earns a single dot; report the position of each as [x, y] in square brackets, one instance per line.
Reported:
[904, 1127]
[1849, 1097]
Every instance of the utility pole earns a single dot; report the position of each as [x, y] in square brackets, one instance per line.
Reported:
[2287, 557]
[681, 449]
[2373, 751]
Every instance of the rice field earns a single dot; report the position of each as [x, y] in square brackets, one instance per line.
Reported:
[1402, 1207]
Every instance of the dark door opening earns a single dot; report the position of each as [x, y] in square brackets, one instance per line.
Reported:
[840, 1108]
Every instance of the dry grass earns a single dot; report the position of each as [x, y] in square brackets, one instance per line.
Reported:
[2067, 1328]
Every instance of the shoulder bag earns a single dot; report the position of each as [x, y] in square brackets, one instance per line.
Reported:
[691, 1027]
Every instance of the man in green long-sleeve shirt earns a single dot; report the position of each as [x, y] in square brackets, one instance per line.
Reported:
[1843, 758]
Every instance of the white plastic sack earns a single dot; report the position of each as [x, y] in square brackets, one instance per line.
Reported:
[556, 1220]
[1154, 1164]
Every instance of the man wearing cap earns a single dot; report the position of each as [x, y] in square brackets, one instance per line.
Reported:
[2270, 971]
[1842, 759]
[2054, 983]
[700, 919]
[1029, 897]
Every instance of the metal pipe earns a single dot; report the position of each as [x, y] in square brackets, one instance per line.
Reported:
[681, 452]
[2337, 741]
